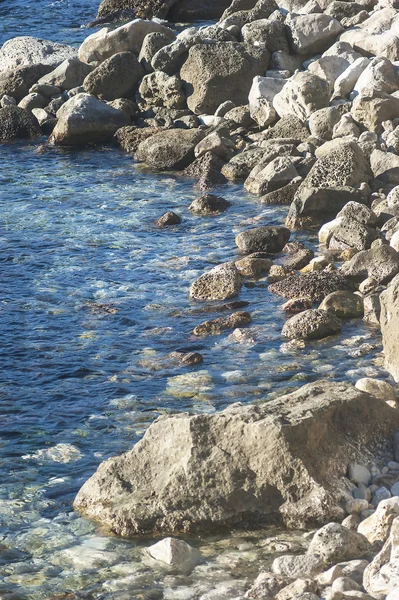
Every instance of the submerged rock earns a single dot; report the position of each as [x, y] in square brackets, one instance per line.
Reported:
[222, 282]
[175, 553]
[230, 469]
[217, 326]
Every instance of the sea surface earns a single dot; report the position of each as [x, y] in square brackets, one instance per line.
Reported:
[93, 300]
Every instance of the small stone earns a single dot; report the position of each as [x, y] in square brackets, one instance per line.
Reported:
[380, 389]
[297, 305]
[359, 474]
[381, 494]
[217, 326]
[395, 489]
[169, 218]
[209, 204]
[175, 553]
[357, 505]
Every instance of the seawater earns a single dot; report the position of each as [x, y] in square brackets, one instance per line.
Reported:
[94, 298]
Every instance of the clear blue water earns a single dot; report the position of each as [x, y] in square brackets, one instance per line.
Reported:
[94, 298]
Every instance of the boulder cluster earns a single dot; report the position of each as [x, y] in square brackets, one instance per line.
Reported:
[299, 101]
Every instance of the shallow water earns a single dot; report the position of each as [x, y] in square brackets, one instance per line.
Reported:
[94, 299]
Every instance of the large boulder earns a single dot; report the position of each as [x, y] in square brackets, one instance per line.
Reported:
[171, 150]
[389, 326]
[174, 10]
[17, 123]
[311, 325]
[371, 112]
[27, 51]
[313, 33]
[116, 77]
[69, 74]
[302, 95]
[215, 73]
[17, 82]
[127, 38]
[193, 10]
[335, 543]
[84, 120]
[271, 239]
[315, 286]
[283, 460]
[381, 263]
[144, 9]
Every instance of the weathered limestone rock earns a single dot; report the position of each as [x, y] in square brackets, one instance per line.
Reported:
[115, 77]
[17, 123]
[311, 325]
[204, 471]
[381, 263]
[160, 89]
[345, 83]
[377, 526]
[151, 44]
[389, 322]
[260, 99]
[128, 38]
[381, 576]
[145, 9]
[130, 137]
[84, 120]
[315, 286]
[302, 95]
[217, 326]
[17, 82]
[275, 175]
[170, 150]
[222, 282]
[343, 304]
[270, 239]
[372, 112]
[385, 166]
[379, 76]
[69, 74]
[293, 566]
[266, 33]
[27, 51]
[313, 33]
[334, 543]
[214, 73]
[377, 388]
[322, 122]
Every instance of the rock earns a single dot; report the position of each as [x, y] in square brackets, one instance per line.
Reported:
[85, 120]
[346, 128]
[220, 146]
[372, 309]
[345, 82]
[343, 304]
[169, 218]
[302, 95]
[17, 82]
[297, 305]
[376, 528]
[315, 285]
[160, 89]
[334, 543]
[253, 265]
[151, 44]
[266, 33]
[209, 205]
[32, 101]
[207, 168]
[297, 589]
[17, 123]
[170, 58]
[266, 585]
[298, 255]
[322, 122]
[115, 77]
[240, 116]
[229, 469]
[350, 233]
[381, 576]
[385, 166]
[294, 566]
[144, 9]
[270, 239]
[340, 163]
[69, 74]
[311, 324]
[217, 326]
[130, 137]
[170, 150]
[379, 76]
[377, 388]
[313, 33]
[372, 112]
[220, 283]
[315, 205]
[27, 51]
[284, 195]
[359, 474]
[215, 73]
[381, 263]
[175, 553]
[103, 44]
[276, 174]
[192, 10]
[389, 320]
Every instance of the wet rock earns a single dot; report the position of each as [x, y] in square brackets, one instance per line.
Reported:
[170, 150]
[313, 206]
[84, 120]
[69, 74]
[313, 33]
[115, 77]
[334, 543]
[130, 137]
[175, 553]
[17, 123]
[389, 324]
[303, 94]
[218, 72]
[207, 168]
[26, 51]
[297, 305]
[311, 325]
[209, 205]
[220, 283]
[381, 263]
[169, 218]
[343, 304]
[270, 239]
[253, 266]
[145, 491]
[315, 285]
[160, 89]
[217, 326]
[189, 358]
[103, 44]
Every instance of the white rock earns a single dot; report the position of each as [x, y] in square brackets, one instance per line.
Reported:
[394, 241]
[328, 577]
[25, 51]
[379, 76]
[345, 83]
[293, 566]
[127, 38]
[380, 389]
[376, 527]
[261, 97]
[175, 553]
[302, 94]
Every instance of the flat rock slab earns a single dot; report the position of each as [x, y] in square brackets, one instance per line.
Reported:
[249, 465]
[315, 286]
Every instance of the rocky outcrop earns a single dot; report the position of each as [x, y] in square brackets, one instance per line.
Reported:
[248, 465]
[85, 120]
[389, 322]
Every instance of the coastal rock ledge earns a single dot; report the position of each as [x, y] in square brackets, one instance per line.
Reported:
[284, 461]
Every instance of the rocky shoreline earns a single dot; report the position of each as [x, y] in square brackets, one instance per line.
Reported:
[300, 102]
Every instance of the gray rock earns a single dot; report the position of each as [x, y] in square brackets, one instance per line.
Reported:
[17, 123]
[218, 72]
[334, 543]
[207, 169]
[311, 34]
[84, 120]
[144, 10]
[168, 219]
[385, 166]
[17, 82]
[217, 326]
[69, 74]
[175, 553]
[343, 304]
[222, 282]
[204, 471]
[302, 95]
[278, 173]
[115, 77]
[289, 126]
[377, 388]
[270, 239]
[389, 322]
[209, 205]
[315, 286]
[27, 51]
[323, 121]
[170, 150]
[170, 58]
[311, 324]
[293, 566]
[381, 263]
[266, 33]
[151, 44]
[160, 89]
[33, 101]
